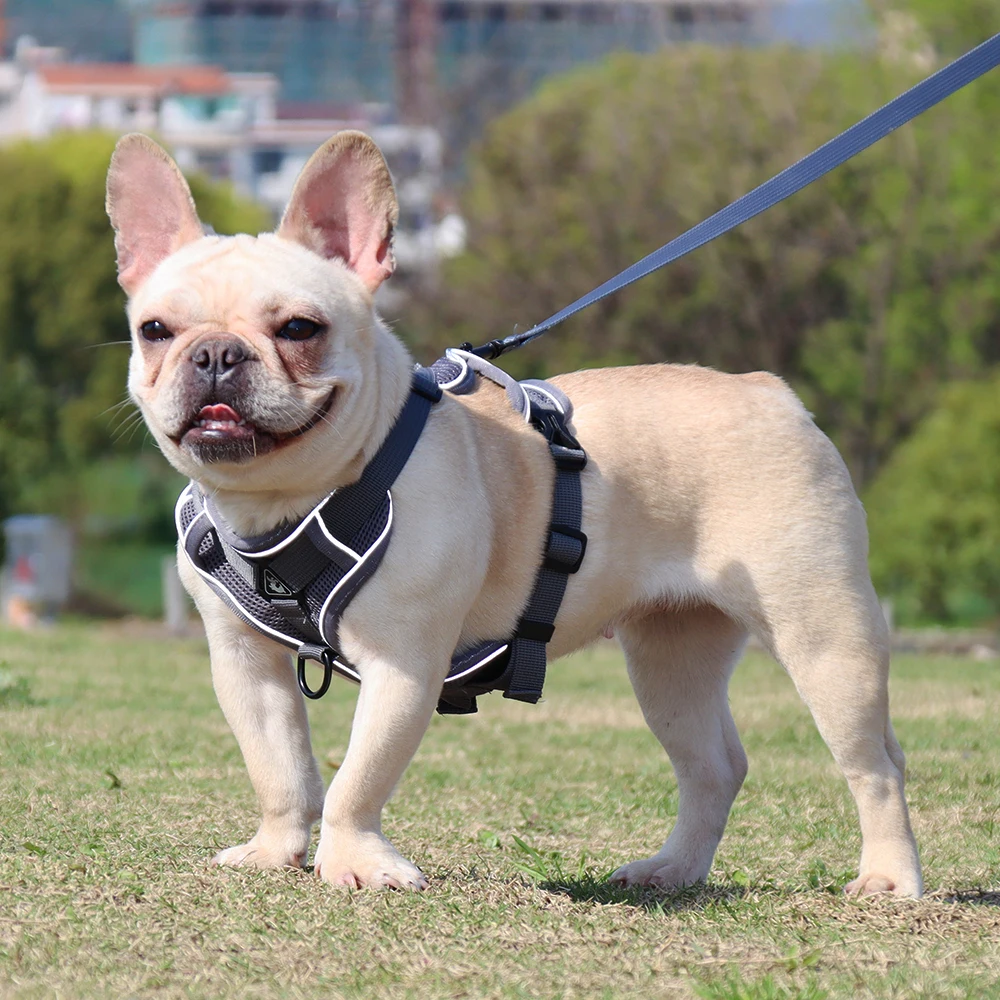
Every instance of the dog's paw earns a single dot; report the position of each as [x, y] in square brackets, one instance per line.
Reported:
[258, 854]
[658, 873]
[368, 861]
[872, 885]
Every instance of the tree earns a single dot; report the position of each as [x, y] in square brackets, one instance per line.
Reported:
[950, 28]
[867, 290]
[63, 335]
[934, 515]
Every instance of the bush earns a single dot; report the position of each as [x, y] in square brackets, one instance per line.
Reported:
[69, 440]
[934, 513]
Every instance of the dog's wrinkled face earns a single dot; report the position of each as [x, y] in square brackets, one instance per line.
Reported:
[241, 346]
[248, 350]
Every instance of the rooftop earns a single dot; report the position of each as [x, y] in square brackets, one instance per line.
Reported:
[117, 78]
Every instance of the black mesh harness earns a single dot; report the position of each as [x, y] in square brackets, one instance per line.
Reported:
[294, 583]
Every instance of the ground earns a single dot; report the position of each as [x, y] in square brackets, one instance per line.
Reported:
[119, 780]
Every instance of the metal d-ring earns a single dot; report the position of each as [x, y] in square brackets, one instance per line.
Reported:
[326, 658]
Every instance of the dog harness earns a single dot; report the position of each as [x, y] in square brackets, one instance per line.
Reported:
[294, 583]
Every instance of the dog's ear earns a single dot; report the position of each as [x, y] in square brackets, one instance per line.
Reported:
[150, 207]
[343, 205]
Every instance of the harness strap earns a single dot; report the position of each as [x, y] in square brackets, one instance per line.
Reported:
[564, 551]
[347, 510]
[521, 675]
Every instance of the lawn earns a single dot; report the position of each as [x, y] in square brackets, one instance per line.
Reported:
[119, 779]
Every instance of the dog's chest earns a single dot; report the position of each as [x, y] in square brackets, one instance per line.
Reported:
[293, 584]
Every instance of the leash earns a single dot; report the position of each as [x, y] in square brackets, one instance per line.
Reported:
[830, 155]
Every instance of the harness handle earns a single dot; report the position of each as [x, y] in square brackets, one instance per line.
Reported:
[325, 658]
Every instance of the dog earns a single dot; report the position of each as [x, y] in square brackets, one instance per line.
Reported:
[714, 506]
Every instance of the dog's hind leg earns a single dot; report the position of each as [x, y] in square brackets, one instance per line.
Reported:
[680, 664]
[838, 657]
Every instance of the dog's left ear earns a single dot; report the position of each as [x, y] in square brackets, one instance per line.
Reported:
[344, 206]
[150, 207]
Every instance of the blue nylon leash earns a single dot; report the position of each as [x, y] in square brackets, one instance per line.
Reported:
[830, 155]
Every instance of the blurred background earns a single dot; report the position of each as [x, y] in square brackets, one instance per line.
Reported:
[538, 148]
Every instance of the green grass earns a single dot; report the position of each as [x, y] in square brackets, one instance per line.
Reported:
[119, 779]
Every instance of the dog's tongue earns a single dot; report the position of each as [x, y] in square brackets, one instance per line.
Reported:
[218, 413]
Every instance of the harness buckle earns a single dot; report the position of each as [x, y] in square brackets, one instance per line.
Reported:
[564, 556]
[323, 655]
[565, 449]
[568, 459]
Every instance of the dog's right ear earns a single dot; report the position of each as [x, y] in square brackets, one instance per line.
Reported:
[150, 207]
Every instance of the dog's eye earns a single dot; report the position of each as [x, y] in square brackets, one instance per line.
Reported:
[299, 329]
[154, 330]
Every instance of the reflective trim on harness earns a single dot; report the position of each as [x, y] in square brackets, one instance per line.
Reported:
[294, 583]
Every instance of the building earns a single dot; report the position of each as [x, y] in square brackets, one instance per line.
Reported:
[322, 51]
[382, 51]
[228, 125]
[95, 30]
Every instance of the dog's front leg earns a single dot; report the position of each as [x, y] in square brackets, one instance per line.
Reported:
[255, 683]
[394, 708]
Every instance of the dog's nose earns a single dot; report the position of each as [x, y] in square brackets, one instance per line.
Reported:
[216, 358]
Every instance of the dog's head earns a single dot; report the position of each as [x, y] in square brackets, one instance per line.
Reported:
[250, 352]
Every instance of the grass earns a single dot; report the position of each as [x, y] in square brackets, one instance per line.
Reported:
[122, 577]
[119, 779]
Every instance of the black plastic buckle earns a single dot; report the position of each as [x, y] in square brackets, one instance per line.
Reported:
[565, 449]
[551, 562]
[326, 659]
[568, 459]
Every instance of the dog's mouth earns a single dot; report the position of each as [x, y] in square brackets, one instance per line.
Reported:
[219, 433]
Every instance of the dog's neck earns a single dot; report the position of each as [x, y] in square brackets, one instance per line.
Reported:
[373, 412]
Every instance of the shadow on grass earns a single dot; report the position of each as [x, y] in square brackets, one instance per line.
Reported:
[590, 889]
[974, 897]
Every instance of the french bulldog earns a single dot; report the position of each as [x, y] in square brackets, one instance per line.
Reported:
[715, 509]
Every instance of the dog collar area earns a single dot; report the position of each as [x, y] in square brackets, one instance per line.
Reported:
[294, 583]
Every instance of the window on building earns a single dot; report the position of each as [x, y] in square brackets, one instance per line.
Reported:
[216, 165]
[267, 161]
[268, 9]
[596, 13]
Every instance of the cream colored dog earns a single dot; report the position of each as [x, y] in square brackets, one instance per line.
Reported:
[714, 508]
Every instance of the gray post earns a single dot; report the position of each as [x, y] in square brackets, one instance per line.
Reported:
[175, 599]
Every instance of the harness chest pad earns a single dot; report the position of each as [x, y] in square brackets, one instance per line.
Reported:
[294, 583]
